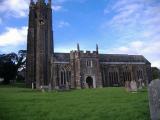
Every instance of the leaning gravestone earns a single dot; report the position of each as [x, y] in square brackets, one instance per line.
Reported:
[154, 99]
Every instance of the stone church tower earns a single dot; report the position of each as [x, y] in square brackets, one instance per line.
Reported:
[39, 44]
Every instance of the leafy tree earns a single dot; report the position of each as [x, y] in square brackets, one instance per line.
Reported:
[12, 65]
[9, 71]
[21, 65]
[8, 67]
[155, 73]
[21, 60]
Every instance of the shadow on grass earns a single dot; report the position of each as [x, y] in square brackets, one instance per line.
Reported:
[14, 85]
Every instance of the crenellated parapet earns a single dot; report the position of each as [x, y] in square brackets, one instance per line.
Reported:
[83, 54]
[40, 3]
[80, 54]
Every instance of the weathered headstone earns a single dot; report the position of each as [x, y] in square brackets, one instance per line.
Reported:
[44, 88]
[1, 79]
[67, 86]
[49, 87]
[127, 86]
[154, 99]
[140, 86]
[143, 84]
[133, 86]
[56, 87]
[32, 85]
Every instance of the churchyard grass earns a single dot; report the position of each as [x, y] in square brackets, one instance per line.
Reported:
[89, 104]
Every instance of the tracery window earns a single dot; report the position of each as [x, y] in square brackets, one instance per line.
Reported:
[65, 77]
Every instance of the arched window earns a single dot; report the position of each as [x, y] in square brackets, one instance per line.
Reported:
[68, 76]
[62, 77]
[140, 74]
[89, 63]
[64, 80]
[113, 78]
[65, 76]
[127, 76]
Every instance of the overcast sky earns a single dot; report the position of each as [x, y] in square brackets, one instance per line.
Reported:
[117, 26]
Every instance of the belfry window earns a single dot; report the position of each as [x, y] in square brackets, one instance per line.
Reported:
[41, 21]
[89, 63]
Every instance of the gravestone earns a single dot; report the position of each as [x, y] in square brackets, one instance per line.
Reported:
[133, 86]
[49, 87]
[143, 84]
[127, 86]
[1, 79]
[154, 99]
[67, 86]
[32, 85]
[44, 88]
[140, 86]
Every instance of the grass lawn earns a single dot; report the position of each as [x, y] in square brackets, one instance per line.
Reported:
[88, 104]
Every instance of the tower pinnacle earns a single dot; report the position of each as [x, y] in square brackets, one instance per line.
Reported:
[31, 2]
[97, 48]
[49, 1]
[41, 1]
[78, 47]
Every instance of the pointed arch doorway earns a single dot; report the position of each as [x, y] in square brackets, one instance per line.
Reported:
[89, 81]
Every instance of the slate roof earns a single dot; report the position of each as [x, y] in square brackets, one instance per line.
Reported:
[65, 57]
[62, 57]
[122, 58]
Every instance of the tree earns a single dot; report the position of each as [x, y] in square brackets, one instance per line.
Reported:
[8, 67]
[9, 71]
[155, 73]
[21, 65]
[12, 66]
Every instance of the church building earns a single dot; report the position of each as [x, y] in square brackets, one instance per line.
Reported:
[77, 69]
